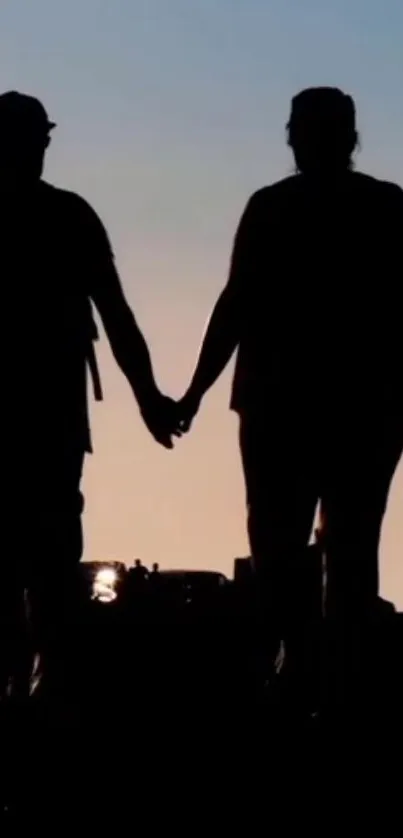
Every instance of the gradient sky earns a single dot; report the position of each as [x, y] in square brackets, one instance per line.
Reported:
[170, 113]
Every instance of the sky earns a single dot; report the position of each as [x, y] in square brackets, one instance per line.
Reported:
[170, 114]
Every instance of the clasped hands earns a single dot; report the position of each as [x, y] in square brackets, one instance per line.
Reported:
[166, 418]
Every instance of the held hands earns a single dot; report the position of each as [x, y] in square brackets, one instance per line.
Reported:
[187, 408]
[160, 415]
[166, 418]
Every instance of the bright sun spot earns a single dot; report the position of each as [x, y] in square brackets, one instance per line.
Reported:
[104, 586]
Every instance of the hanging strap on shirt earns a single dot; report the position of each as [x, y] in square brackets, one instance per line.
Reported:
[92, 359]
[94, 372]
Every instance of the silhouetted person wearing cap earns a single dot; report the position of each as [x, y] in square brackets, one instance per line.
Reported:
[56, 261]
[313, 305]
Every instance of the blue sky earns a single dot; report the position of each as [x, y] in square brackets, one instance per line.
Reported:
[170, 113]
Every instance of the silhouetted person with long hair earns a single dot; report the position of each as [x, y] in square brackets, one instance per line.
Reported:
[56, 262]
[313, 305]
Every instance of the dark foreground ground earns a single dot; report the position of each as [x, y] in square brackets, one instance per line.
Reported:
[159, 705]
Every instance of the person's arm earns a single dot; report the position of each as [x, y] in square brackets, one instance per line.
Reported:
[223, 329]
[105, 289]
[219, 344]
[125, 337]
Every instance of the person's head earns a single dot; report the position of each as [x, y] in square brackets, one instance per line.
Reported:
[24, 137]
[156, 567]
[137, 563]
[322, 130]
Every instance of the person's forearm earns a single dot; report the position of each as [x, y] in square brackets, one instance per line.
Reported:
[219, 344]
[131, 353]
[126, 339]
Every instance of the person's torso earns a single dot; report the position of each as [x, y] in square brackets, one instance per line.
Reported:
[321, 303]
[45, 312]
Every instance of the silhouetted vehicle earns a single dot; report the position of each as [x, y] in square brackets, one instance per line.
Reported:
[192, 588]
[195, 580]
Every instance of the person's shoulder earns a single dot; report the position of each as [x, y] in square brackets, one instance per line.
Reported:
[74, 206]
[81, 220]
[383, 189]
[393, 192]
[274, 194]
[70, 201]
[277, 190]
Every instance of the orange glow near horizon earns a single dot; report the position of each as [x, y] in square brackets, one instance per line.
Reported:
[186, 507]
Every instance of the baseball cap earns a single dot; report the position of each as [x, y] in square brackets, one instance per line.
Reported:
[21, 112]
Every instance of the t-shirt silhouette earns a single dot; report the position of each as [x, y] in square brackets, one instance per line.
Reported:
[54, 251]
[316, 277]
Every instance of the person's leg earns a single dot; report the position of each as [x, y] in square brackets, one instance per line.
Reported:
[281, 500]
[355, 495]
[15, 652]
[52, 570]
